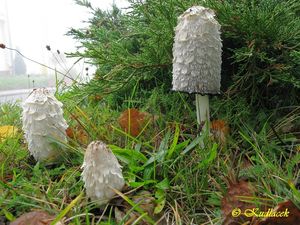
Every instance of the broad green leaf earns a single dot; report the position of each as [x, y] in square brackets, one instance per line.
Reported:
[160, 195]
[193, 144]
[128, 155]
[212, 155]
[164, 184]
[8, 215]
[174, 143]
[162, 151]
[141, 184]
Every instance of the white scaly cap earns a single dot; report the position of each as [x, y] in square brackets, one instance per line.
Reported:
[101, 173]
[42, 120]
[197, 52]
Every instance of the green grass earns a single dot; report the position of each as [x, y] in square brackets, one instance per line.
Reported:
[186, 181]
[184, 174]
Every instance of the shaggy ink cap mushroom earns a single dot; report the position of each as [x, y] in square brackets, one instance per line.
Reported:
[197, 58]
[101, 173]
[197, 52]
[43, 120]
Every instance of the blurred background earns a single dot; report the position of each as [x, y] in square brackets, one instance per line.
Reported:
[29, 26]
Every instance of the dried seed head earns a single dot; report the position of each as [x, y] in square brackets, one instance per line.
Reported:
[42, 121]
[101, 173]
[197, 52]
[2, 46]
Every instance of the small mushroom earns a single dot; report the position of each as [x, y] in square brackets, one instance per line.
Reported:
[197, 59]
[43, 119]
[101, 173]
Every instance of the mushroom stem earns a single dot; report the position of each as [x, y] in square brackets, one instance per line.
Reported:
[202, 106]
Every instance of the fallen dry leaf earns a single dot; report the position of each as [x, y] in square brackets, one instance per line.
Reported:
[233, 199]
[78, 133]
[132, 121]
[70, 132]
[292, 219]
[35, 218]
[220, 130]
[7, 131]
[145, 201]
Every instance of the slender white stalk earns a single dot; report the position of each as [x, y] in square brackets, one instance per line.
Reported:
[202, 106]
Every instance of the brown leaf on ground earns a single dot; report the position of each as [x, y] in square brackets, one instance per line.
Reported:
[290, 209]
[234, 199]
[220, 130]
[35, 218]
[70, 132]
[78, 133]
[145, 201]
[132, 121]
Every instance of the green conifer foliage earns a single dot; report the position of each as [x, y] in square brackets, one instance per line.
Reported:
[261, 54]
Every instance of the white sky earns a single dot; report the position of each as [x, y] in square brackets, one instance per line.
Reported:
[37, 23]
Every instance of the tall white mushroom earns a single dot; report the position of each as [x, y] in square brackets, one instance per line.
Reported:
[197, 59]
[101, 173]
[42, 120]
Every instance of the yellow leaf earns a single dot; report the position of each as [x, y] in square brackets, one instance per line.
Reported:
[7, 131]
